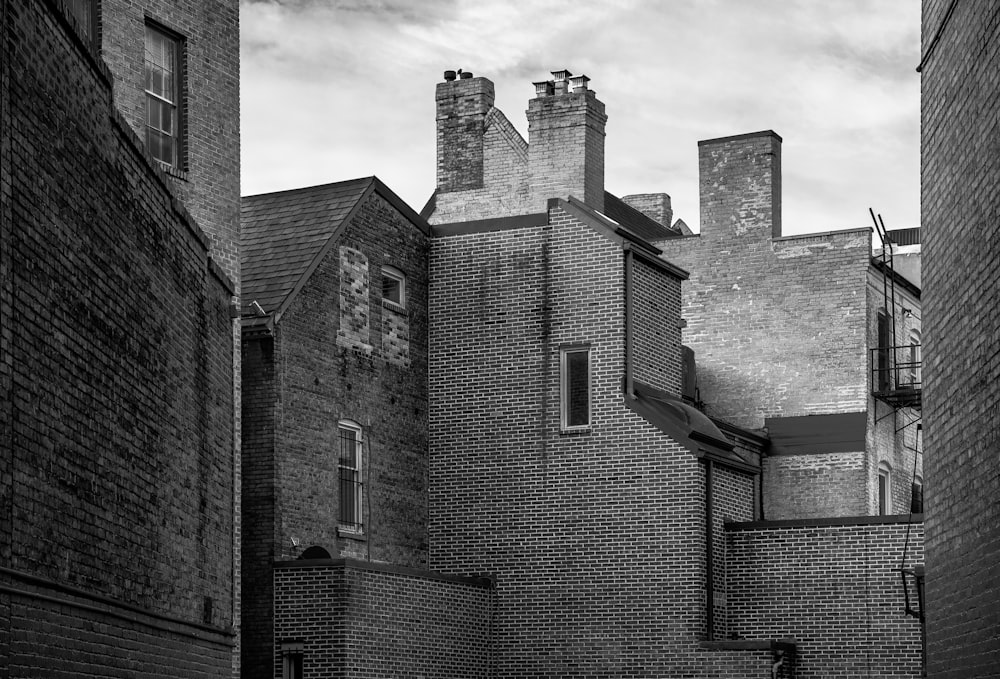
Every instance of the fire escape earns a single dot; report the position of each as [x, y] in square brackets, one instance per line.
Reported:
[896, 369]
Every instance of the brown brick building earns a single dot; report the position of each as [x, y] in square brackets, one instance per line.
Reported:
[960, 199]
[117, 271]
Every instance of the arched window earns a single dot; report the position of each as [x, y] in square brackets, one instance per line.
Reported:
[315, 552]
[349, 463]
[884, 489]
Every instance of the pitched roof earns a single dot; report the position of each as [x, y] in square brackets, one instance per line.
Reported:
[635, 221]
[285, 234]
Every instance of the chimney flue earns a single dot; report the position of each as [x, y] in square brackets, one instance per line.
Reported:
[543, 88]
[466, 75]
[449, 76]
[579, 82]
[561, 81]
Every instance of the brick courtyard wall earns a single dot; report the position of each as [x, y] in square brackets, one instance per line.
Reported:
[369, 620]
[960, 176]
[596, 539]
[117, 379]
[831, 585]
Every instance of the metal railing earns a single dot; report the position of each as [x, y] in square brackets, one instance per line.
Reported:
[896, 376]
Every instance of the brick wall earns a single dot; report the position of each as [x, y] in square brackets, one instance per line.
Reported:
[368, 620]
[296, 396]
[959, 204]
[834, 587]
[656, 312]
[777, 324]
[816, 485]
[596, 539]
[117, 373]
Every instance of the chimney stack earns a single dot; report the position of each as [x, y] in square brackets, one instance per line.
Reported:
[740, 186]
[462, 104]
[566, 142]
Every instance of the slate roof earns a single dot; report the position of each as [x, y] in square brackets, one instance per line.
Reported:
[635, 221]
[284, 235]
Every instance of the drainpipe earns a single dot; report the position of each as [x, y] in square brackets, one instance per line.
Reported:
[629, 259]
[709, 550]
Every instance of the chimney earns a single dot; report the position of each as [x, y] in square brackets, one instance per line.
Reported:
[740, 185]
[656, 206]
[462, 104]
[566, 142]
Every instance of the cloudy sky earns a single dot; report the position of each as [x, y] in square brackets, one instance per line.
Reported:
[338, 89]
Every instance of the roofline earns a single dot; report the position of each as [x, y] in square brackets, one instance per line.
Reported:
[900, 278]
[737, 137]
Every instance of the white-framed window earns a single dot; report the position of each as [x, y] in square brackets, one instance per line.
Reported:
[884, 489]
[163, 95]
[393, 286]
[349, 463]
[575, 388]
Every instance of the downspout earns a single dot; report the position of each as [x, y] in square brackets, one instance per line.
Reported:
[709, 550]
[629, 260]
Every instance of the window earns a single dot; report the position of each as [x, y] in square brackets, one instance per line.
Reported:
[884, 340]
[85, 14]
[917, 496]
[163, 94]
[914, 358]
[393, 286]
[349, 463]
[291, 659]
[575, 388]
[884, 490]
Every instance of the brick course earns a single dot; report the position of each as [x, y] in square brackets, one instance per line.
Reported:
[960, 167]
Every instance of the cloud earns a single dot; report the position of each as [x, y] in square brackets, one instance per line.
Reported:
[335, 90]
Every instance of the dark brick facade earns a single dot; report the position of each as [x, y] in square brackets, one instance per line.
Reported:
[116, 546]
[334, 354]
[960, 197]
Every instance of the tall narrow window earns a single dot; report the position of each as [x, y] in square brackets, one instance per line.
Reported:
[917, 496]
[163, 94]
[884, 490]
[575, 388]
[349, 463]
[884, 341]
[914, 358]
[291, 659]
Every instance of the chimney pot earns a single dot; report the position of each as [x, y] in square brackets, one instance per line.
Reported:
[449, 76]
[561, 81]
[579, 82]
[466, 75]
[543, 88]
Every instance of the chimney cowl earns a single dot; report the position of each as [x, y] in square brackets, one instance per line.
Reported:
[579, 82]
[544, 88]
[449, 76]
[561, 83]
[465, 75]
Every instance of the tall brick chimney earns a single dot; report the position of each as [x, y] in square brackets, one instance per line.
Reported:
[740, 185]
[566, 142]
[462, 104]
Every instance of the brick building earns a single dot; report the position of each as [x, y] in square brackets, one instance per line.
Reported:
[613, 506]
[117, 271]
[335, 404]
[960, 197]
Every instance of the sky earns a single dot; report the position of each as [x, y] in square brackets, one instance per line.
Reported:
[338, 89]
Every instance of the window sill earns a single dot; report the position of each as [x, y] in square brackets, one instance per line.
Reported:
[575, 431]
[351, 533]
[173, 171]
[392, 306]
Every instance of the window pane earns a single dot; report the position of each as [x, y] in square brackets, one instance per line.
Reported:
[577, 388]
[162, 89]
[391, 289]
[349, 463]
